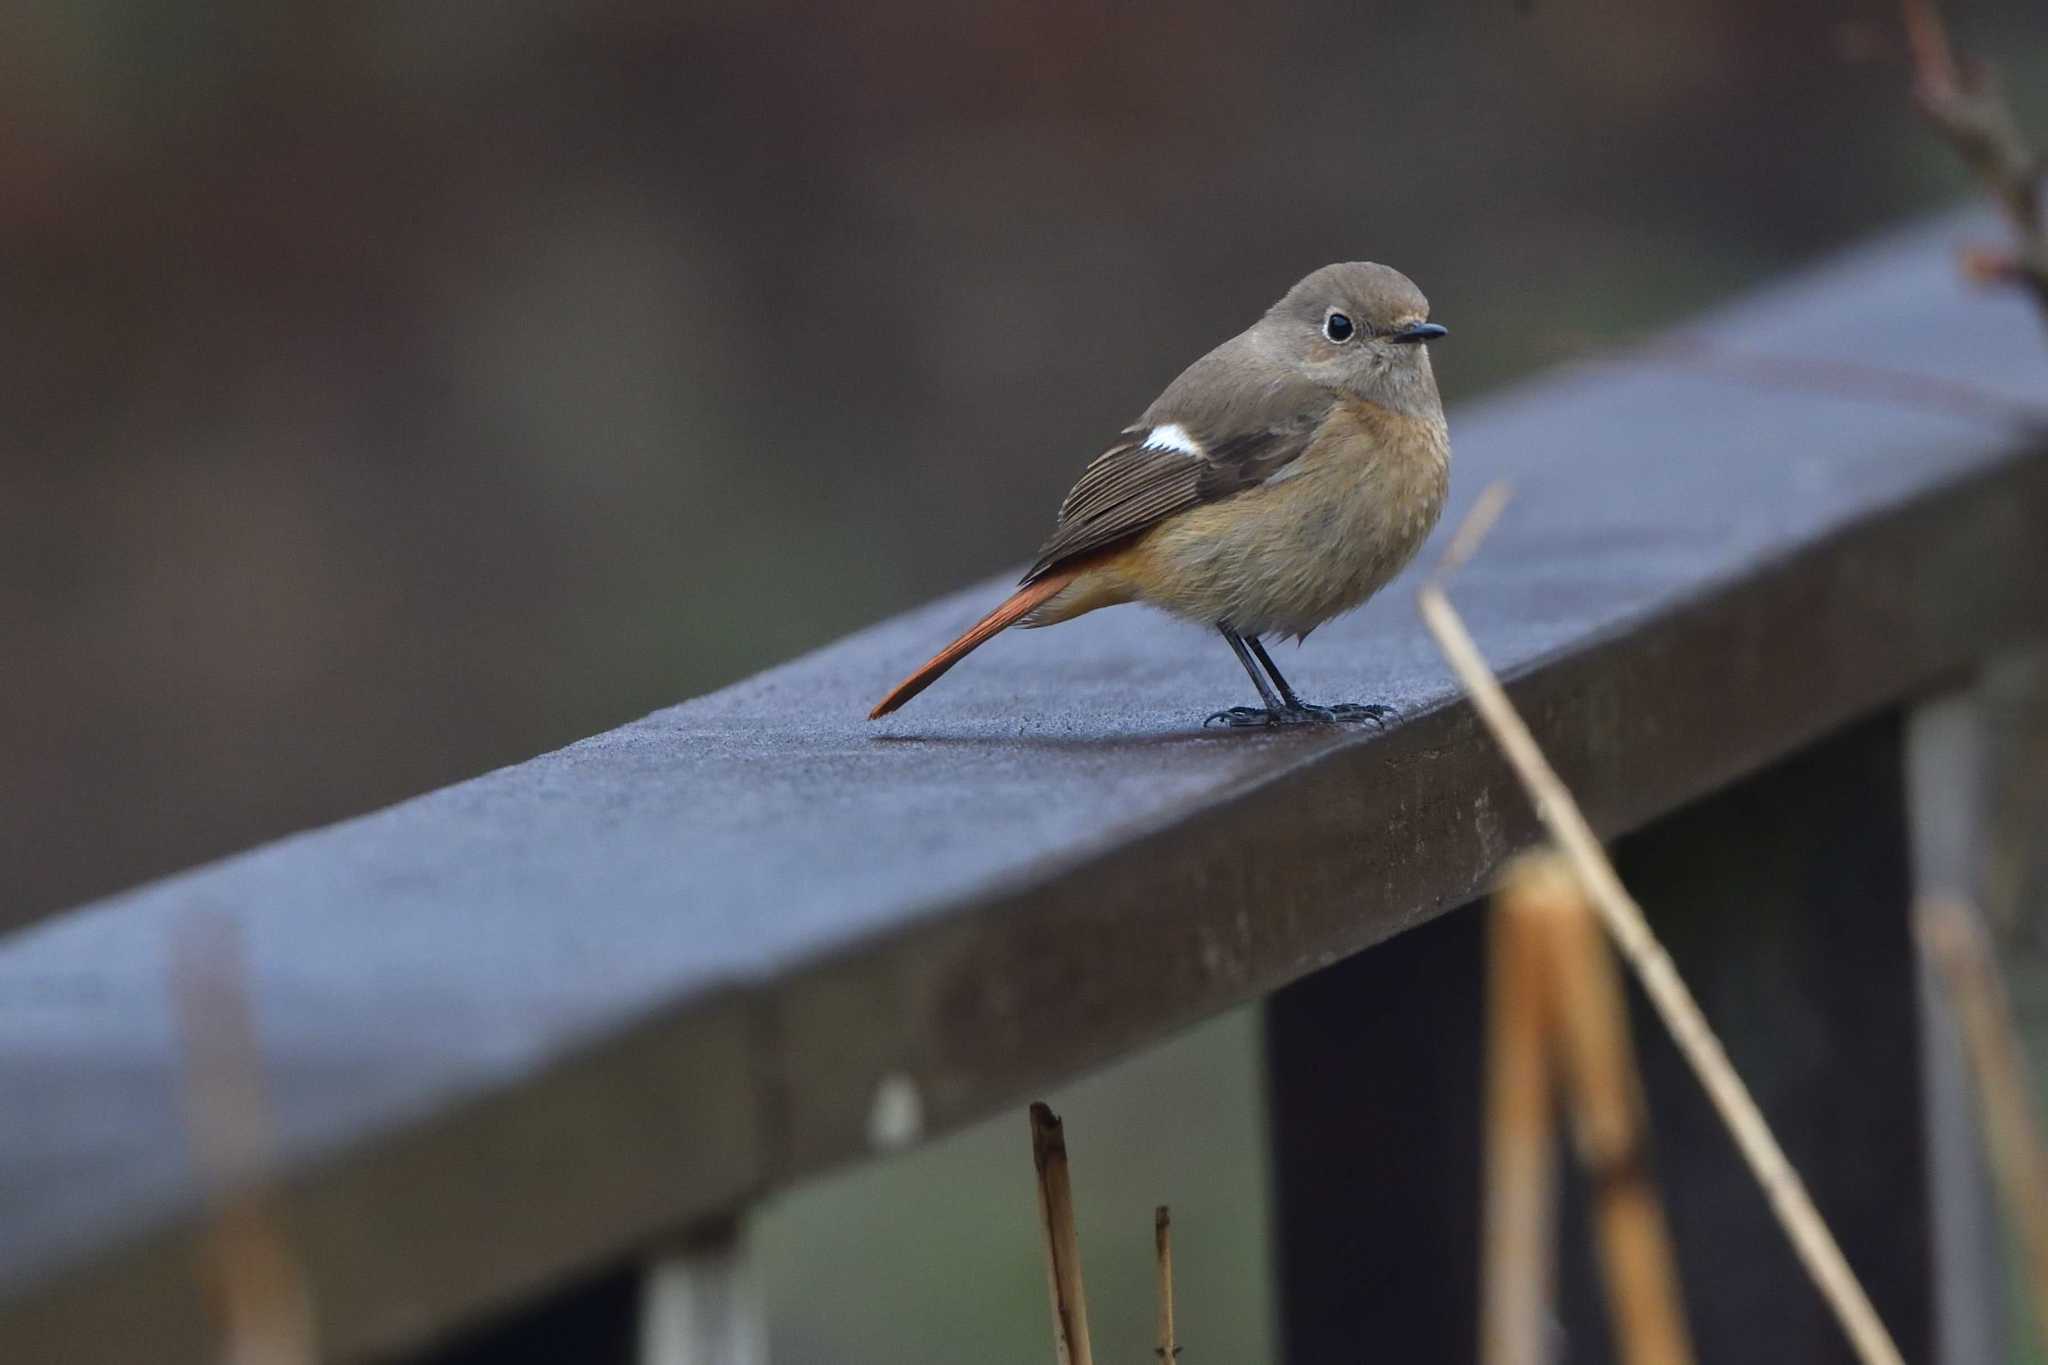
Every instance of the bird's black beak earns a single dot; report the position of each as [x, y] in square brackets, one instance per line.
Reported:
[1421, 331]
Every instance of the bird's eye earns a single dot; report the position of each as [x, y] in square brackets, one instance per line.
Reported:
[1337, 327]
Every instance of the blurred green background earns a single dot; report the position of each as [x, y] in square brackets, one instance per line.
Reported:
[392, 391]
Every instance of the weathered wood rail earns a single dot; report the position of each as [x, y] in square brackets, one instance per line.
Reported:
[551, 1019]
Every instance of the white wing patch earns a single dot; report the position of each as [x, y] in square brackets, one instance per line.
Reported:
[1173, 436]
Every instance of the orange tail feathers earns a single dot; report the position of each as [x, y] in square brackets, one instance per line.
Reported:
[1020, 604]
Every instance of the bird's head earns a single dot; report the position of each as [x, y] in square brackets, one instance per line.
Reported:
[1361, 327]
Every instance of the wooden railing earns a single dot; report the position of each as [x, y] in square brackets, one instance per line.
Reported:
[582, 1011]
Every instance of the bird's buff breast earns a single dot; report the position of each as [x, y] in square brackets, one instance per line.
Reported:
[1283, 558]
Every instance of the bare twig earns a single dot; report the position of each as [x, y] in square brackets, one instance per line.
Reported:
[1954, 939]
[260, 1294]
[1062, 1243]
[1521, 1159]
[1590, 1019]
[1168, 1349]
[1962, 98]
[1786, 1193]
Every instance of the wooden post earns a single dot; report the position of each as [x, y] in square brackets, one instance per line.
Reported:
[1373, 1093]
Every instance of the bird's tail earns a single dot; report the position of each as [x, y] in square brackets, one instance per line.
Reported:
[1020, 604]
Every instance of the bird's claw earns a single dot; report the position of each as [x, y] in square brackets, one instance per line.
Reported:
[1259, 718]
[1241, 718]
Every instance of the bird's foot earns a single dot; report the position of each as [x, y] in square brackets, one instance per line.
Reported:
[1353, 711]
[1244, 718]
[1259, 718]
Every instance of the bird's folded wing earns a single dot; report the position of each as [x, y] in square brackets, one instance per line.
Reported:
[1157, 471]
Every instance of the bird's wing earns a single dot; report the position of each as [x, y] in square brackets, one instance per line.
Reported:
[1136, 484]
[1169, 464]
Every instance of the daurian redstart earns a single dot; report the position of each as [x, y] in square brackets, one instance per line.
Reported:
[1283, 478]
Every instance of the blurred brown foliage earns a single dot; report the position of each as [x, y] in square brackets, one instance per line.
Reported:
[394, 390]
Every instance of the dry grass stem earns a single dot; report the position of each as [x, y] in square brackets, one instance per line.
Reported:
[1786, 1193]
[1162, 1246]
[1955, 941]
[259, 1292]
[1062, 1244]
[1589, 1017]
[1961, 97]
[1519, 1237]
[1486, 509]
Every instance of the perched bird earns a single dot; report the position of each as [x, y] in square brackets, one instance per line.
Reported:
[1283, 478]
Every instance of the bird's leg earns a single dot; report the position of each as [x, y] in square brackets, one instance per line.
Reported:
[1345, 711]
[1282, 706]
[1258, 650]
[1244, 717]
